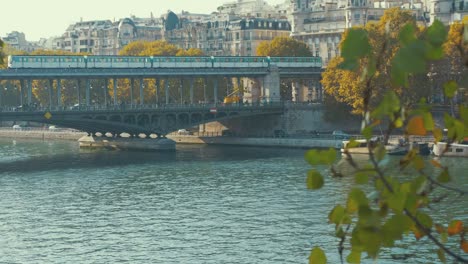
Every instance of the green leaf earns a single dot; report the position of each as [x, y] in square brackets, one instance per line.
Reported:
[389, 105]
[340, 233]
[380, 152]
[428, 121]
[361, 177]
[317, 256]
[407, 34]
[397, 201]
[371, 240]
[394, 229]
[434, 53]
[444, 176]
[441, 255]
[398, 123]
[313, 157]
[436, 33]
[337, 214]
[411, 58]
[367, 132]
[356, 44]
[450, 88]
[424, 219]
[350, 65]
[314, 180]
[329, 156]
[356, 199]
[320, 157]
[354, 257]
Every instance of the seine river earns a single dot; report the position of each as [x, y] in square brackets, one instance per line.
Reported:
[199, 204]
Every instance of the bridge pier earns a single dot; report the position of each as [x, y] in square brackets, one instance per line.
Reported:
[191, 90]
[51, 88]
[29, 99]
[59, 92]
[215, 91]
[115, 91]
[78, 88]
[132, 82]
[157, 90]
[271, 85]
[106, 86]
[88, 88]
[166, 86]
[142, 95]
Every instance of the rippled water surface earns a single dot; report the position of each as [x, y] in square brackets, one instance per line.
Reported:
[200, 204]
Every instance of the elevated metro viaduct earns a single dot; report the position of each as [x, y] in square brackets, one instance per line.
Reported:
[145, 116]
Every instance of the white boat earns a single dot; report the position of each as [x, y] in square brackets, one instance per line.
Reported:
[362, 147]
[453, 150]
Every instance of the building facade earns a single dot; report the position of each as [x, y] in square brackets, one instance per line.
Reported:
[104, 37]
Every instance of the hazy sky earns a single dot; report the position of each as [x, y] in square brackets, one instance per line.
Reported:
[46, 18]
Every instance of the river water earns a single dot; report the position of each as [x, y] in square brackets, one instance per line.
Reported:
[199, 204]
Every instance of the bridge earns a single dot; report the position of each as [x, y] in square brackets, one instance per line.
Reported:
[137, 119]
[119, 107]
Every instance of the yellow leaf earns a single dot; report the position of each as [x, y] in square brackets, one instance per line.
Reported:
[436, 164]
[455, 227]
[464, 245]
[418, 233]
[416, 126]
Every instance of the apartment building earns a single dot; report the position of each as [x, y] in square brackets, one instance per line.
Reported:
[104, 37]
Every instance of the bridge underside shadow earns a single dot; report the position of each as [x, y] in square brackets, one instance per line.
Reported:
[148, 122]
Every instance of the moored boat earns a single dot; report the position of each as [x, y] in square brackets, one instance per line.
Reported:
[363, 148]
[452, 150]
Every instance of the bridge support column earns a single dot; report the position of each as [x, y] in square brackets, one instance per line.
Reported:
[240, 89]
[215, 91]
[157, 91]
[78, 89]
[271, 85]
[295, 91]
[59, 92]
[51, 88]
[142, 94]
[88, 88]
[29, 91]
[166, 87]
[205, 83]
[181, 91]
[132, 82]
[115, 91]
[106, 86]
[22, 88]
[191, 90]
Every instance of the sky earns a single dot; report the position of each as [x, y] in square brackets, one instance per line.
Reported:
[47, 18]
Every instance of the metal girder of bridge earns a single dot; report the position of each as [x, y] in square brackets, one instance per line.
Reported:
[160, 121]
[65, 73]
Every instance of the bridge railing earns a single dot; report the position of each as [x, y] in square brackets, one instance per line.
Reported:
[139, 107]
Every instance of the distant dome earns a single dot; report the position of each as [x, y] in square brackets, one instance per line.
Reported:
[126, 21]
[171, 21]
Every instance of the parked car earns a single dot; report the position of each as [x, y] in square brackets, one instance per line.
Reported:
[183, 132]
[338, 134]
[75, 107]
[17, 127]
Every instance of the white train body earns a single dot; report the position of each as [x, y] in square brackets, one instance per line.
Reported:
[129, 62]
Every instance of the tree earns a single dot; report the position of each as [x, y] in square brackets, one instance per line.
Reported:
[384, 43]
[2, 54]
[283, 46]
[394, 206]
[154, 48]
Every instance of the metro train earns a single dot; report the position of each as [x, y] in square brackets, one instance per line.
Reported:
[101, 62]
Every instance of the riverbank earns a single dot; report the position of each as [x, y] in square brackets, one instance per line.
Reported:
[186, 139]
